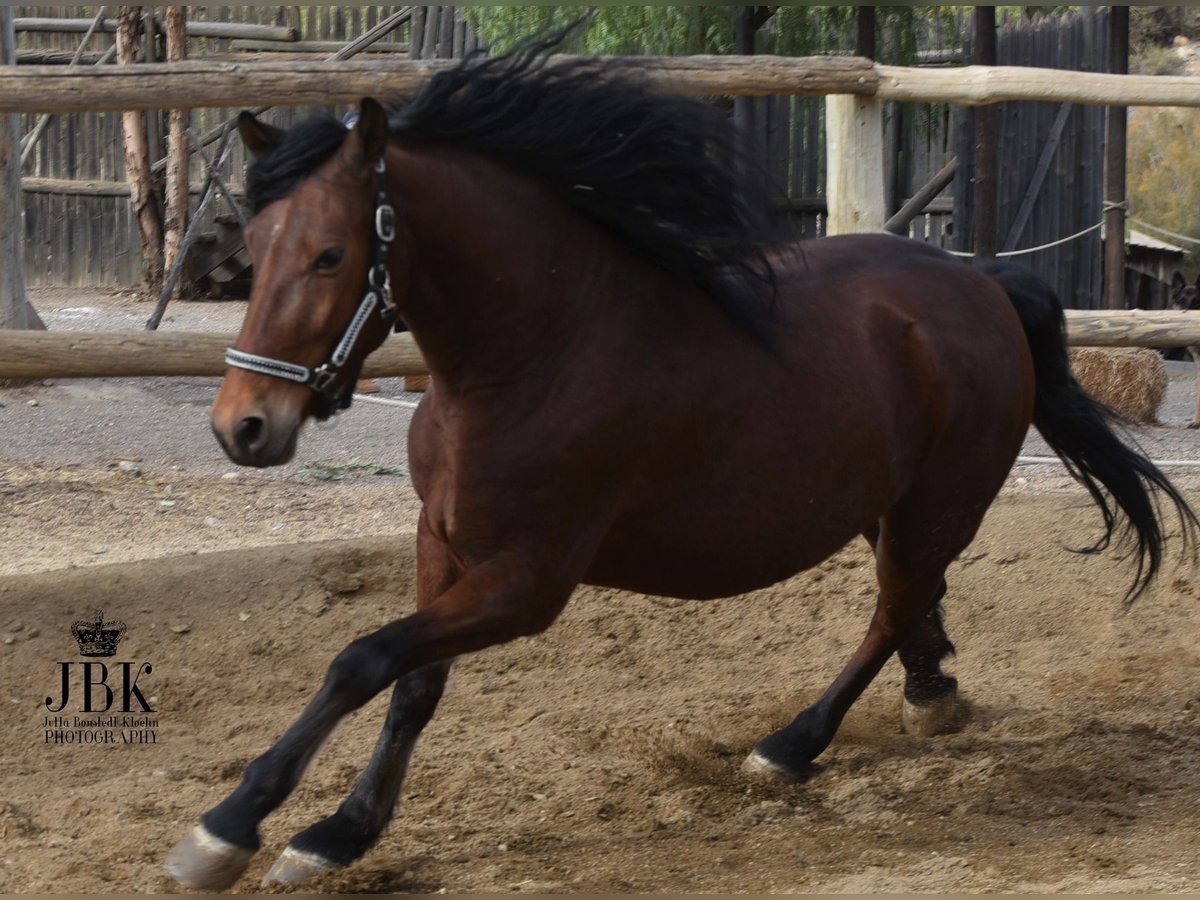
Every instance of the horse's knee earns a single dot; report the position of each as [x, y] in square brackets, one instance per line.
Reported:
[359, 672]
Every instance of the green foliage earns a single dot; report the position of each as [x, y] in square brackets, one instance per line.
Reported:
[1163, 186]
[615, 30]
[682, 30]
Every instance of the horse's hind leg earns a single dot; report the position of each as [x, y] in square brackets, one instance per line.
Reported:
[930, 695]
[910, 567]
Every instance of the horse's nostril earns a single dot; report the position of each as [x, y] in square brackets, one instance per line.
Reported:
[250, 434]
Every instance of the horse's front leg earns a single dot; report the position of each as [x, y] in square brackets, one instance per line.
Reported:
[343, 837]
[353, 829]
[495, 601]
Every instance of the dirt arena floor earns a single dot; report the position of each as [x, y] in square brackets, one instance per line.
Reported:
[603, 755]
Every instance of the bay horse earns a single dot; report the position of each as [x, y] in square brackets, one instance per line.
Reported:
[633, 387]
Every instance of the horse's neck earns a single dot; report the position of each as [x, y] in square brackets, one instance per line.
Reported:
[500, 274]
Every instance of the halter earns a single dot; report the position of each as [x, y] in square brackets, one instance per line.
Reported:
[323, 379]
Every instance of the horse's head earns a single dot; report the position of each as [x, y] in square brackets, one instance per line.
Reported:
[318, 242]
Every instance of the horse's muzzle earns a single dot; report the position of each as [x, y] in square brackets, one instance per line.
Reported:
[254, 440]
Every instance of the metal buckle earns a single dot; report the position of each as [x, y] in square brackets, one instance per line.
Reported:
[324, 378]
[385, 222]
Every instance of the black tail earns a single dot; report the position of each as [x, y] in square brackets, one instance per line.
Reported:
[1079, 430]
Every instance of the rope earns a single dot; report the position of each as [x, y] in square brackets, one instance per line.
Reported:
[1065, 240]
[384, 401]
[1054, 460]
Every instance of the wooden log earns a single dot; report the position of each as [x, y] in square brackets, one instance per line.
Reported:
[239, 30]
[923, 199]
[210, 84]
[113, 354]
[300, 83]
[56, 58]
[125, 354]
[35, 185]
[977, 85]
[854, 165]
[1132, 328]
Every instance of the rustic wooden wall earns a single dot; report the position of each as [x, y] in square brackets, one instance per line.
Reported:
[1065, 195]
[78, 226]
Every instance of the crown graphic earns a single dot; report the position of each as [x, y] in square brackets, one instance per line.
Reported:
[98, 638]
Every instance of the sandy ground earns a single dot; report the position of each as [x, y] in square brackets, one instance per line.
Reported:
[603, 755]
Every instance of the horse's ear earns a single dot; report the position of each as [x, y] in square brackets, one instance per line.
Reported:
[371, 129]
[258, 137]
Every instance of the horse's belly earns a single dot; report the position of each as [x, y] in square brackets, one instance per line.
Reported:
[698, 558]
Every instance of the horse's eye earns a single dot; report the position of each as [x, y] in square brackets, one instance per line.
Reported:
[329, 259]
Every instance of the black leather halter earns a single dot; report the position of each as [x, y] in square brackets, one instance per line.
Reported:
[323, 379]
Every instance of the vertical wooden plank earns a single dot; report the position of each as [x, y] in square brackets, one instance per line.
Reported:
[433, 21]
[14, 307]
[446, 33]
[416, 32]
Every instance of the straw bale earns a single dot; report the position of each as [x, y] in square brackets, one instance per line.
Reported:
[1133, 381]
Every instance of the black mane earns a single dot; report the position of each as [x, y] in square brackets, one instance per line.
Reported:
[667, 174]
[301, 151]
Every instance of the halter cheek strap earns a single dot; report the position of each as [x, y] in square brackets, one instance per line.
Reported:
[323, 379]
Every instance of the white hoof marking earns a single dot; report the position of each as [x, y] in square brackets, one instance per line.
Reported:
[294, 866]
[759, 766]
[202, 861]
[940, 717]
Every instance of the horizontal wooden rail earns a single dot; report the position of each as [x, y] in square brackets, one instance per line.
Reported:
[125, 354]
[113, 354]
[301, 82]
[979, 85]
[245, 30]
[1133, 328]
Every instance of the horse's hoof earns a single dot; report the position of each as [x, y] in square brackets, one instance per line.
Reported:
[205, 862]
[1194, 425]
[942, 716]
[295, 866]
[758, 766]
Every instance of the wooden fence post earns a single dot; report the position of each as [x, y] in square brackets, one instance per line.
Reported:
[15, 311]
[1114, 167]
[137, 161]
[175, 196]
[854, 167]
[987, 175]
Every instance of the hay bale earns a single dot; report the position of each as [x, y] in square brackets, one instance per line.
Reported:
[1133, 381]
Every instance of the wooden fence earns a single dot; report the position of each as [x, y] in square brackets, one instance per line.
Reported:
[78, 226]
[1050, 166]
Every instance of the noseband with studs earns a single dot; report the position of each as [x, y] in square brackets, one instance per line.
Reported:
[323, 379]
